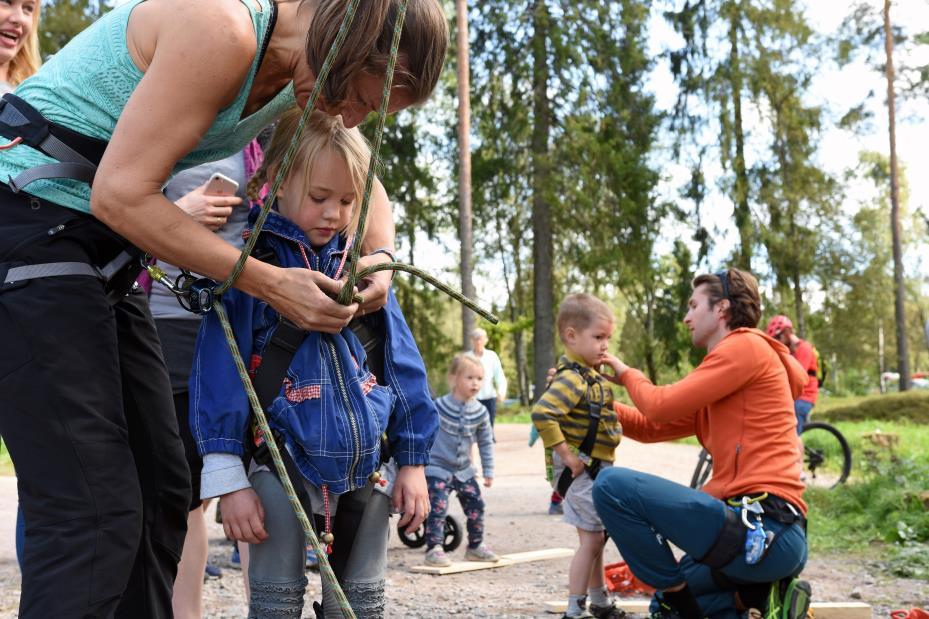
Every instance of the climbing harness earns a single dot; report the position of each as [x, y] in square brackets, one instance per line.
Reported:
[594, 413]
[77, 155]
[194, 294]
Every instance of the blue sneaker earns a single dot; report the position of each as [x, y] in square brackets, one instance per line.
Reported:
[312, 563]
[235, 559]
[555, 509]
[212, 571]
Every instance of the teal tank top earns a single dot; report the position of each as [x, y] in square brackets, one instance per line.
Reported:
[86, 85]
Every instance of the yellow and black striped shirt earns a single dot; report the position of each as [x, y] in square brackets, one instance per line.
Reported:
[562, 413]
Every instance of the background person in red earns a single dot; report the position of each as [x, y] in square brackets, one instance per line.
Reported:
[781, 329]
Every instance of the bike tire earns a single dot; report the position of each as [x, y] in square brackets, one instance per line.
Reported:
[453, 534]
[702, 471]
[846, 452]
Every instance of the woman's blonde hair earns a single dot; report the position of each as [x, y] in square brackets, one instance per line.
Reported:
[366, 49]
[322, 132]
[28, 60]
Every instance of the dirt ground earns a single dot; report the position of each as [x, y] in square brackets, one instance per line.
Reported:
[517, 521]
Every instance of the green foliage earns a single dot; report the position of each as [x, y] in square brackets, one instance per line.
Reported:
[882, 505]
[912, 406]
[62, 20]
[6, 465]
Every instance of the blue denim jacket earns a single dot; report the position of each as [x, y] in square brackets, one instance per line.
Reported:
[330, 411]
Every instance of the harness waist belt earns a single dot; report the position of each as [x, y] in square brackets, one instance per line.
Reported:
[54, 269]
[77, 155]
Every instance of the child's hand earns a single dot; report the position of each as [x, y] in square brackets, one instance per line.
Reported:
[569, 458]
[488, 482]
[616, 365]
[411, 497]
[244, 516]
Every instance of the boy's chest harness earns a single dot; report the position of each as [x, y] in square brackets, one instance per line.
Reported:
[596, 400]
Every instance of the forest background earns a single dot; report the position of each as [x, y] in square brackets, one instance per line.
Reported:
[622, 147]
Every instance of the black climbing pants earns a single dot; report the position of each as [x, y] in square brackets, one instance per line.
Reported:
[87, 415]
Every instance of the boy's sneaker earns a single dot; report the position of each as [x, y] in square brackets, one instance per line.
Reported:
[584, 615]
[481, 553]
[555, 509]
[436, 557]
[235, 559]
[312, 563]
[789, 599]
[609, 611]
[211, 571]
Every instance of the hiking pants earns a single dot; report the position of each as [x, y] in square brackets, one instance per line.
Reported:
[644, 512]
[86, 412]
[276, 566]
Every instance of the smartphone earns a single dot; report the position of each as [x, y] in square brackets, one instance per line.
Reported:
[221, 185]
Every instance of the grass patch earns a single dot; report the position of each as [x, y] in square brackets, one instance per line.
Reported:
[6, 465]
[513, 413]
[884, 505]
[911, 406]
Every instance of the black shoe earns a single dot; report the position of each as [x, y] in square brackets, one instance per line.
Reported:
[609, 611]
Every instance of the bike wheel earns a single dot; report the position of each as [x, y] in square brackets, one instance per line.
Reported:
[703, 470]
[452, 534]
[416, 539]
[827, 458]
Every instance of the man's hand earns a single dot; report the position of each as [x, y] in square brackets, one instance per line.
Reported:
[488, 482]
[244, 516]
[616, 365]
[411, 496]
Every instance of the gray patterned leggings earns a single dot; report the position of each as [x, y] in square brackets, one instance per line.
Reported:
[277, 566]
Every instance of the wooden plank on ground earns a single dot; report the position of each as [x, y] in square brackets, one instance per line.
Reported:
[505, 560]
[821, 610]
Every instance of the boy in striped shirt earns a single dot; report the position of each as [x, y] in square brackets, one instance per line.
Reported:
[575, 419]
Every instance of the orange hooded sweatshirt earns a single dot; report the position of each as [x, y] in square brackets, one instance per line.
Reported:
[739, 402]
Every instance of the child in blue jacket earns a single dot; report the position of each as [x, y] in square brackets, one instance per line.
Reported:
[331, 411]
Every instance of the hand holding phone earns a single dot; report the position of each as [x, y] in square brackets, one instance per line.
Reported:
[221, 185]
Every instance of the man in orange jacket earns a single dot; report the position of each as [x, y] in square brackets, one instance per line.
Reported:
[746, 528]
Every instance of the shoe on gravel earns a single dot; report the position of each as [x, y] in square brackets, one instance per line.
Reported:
[436, 557]
[584, 615]
[211, 571]
[481, 553]
[555, 509]
[608, 611]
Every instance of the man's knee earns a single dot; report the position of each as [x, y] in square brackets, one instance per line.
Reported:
[612, 486]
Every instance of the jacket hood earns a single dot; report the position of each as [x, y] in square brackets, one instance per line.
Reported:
[796, 375]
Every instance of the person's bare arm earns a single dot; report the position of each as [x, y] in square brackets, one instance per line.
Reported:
[199, 60]
[380, 233]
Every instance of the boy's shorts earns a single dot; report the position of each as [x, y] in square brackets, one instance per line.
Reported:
[579, 509]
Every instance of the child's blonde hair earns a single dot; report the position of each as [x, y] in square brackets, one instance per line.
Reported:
[578, 311]
[28, 60]
[322, 132]
[460, 360]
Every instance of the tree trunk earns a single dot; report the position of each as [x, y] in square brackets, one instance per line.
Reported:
[543, 330]
[743, 216]
[799, 321]
[903, 360]
[464, 172]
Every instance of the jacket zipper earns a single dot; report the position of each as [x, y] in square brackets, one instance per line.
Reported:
[356, 439]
